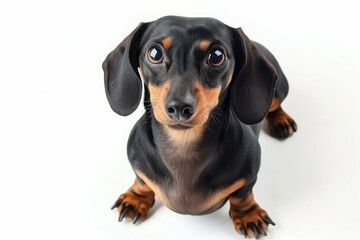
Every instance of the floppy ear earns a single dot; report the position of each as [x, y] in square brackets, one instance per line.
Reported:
[253, 88]
[123, 86]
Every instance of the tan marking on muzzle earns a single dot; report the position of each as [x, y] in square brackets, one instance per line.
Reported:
[206, 100]
[157, 98]
[206, 97]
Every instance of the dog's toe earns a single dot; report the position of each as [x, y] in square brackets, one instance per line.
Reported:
[135, 207]
[280, 124]
[253, 223]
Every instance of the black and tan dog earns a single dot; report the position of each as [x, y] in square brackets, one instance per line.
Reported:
[207, 90]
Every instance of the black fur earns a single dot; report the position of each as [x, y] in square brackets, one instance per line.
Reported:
[122, 82]
[228, 150]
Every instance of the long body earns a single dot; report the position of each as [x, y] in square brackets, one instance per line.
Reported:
[208, 88]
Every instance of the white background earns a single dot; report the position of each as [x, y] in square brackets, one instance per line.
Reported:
[63, 151]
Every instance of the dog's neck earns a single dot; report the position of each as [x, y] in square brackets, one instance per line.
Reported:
[178, 145]
[184, 152]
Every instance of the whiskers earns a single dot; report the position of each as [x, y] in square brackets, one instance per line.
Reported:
[148, 108]
[216, 114]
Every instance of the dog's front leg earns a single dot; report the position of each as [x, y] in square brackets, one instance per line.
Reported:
[248, 218]
[136, 202]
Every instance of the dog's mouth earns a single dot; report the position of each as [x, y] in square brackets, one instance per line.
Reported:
[180, 126]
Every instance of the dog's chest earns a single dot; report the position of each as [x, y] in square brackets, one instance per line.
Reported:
[181, 191]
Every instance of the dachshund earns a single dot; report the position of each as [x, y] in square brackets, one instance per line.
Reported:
[207, 90]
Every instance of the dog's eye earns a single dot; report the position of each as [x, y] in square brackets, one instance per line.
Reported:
[155, 55]
[216, 57]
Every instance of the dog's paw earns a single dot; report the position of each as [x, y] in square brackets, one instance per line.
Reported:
[134, 206]
[280, 124]
[252, 222]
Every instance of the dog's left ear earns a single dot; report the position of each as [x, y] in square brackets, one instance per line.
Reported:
[253, 88]
[123, 85]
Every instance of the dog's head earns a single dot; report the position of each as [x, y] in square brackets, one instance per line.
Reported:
[187, 65]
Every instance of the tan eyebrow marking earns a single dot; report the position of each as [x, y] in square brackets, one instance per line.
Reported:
[166, 42]
[204, 44]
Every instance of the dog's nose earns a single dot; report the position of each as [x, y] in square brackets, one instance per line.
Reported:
[180, 110]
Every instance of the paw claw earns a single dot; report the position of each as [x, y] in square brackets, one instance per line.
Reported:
[260, 226]
[123, 212]
[285, 130]
[253, 229]
[116, 204]
[137, 218]
[268, 220]
[242, 231]
[293, 125]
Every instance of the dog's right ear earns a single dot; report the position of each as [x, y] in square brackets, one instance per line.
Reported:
[123, 85]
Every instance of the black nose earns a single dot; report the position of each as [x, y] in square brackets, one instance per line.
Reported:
[180, 110]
